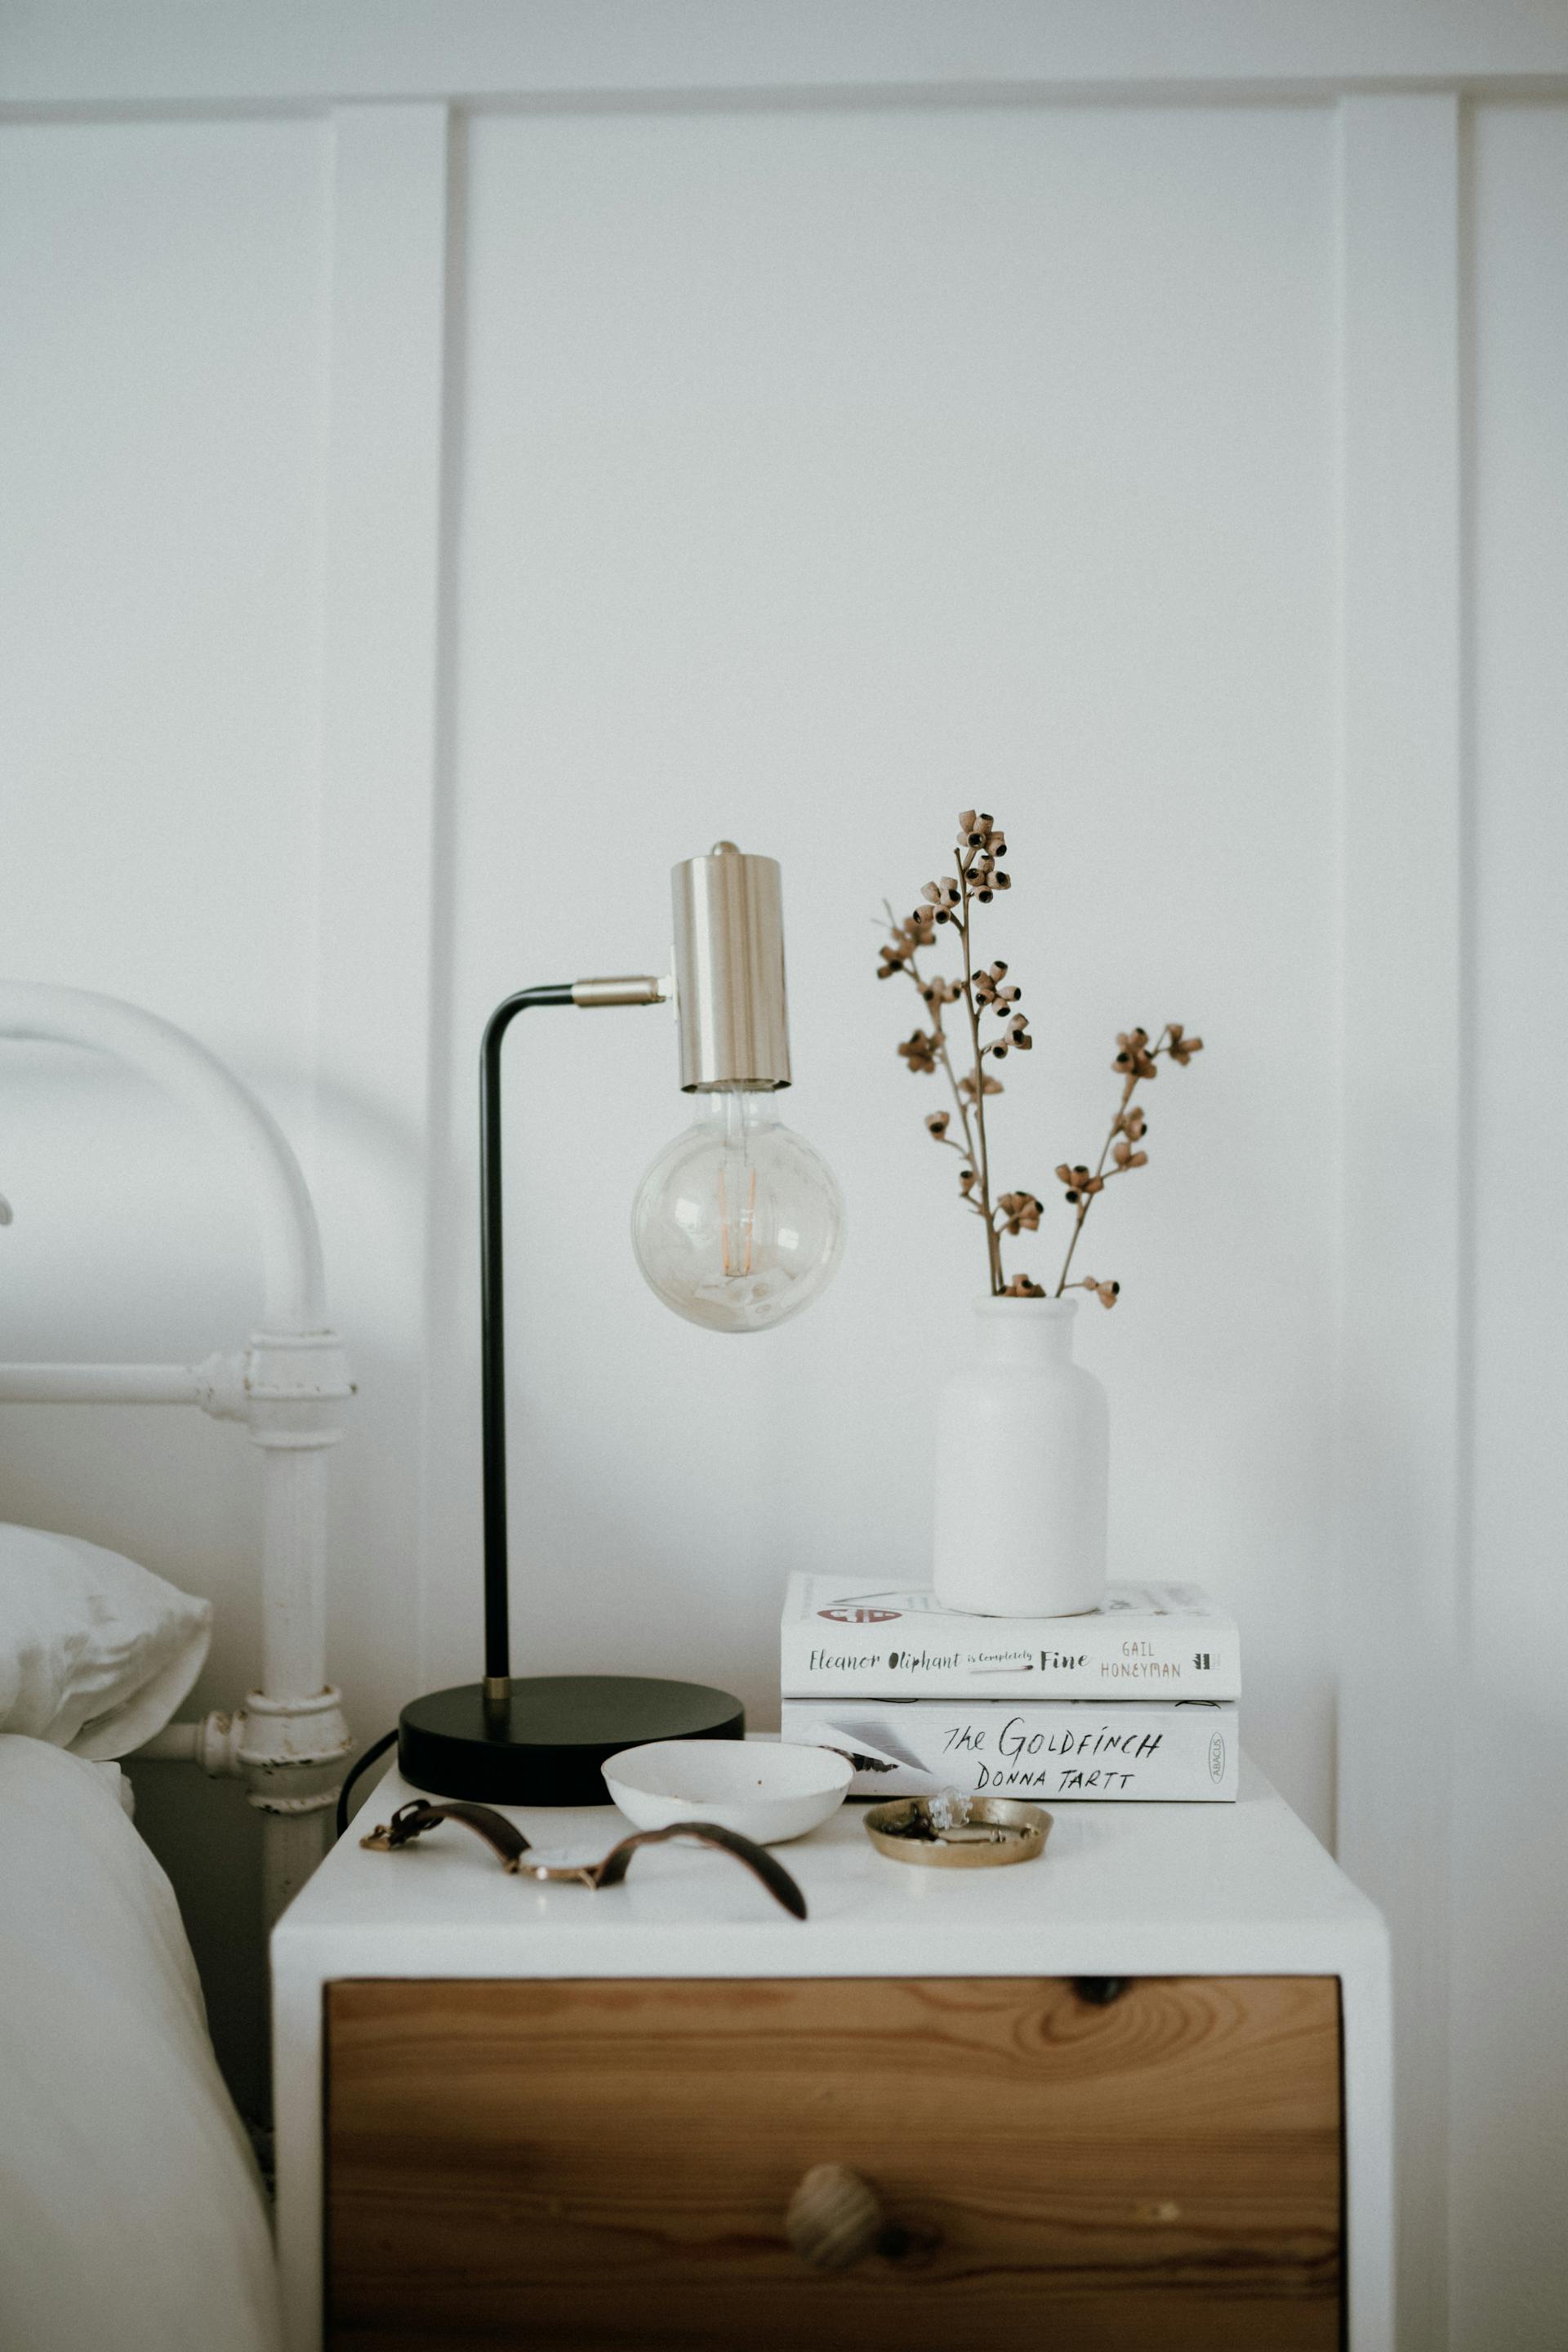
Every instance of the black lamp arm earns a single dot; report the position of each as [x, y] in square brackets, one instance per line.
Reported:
[586, 994]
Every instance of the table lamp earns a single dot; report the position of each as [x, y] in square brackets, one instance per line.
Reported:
[737, 1225]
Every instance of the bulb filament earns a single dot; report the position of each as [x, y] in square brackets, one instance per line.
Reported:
[729, 1238]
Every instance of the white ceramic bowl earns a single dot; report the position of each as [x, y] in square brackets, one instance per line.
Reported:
[767, 1790]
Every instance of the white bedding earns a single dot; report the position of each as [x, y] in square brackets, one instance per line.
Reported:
[132, 2215]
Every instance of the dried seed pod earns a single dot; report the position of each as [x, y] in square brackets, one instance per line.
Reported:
[1133, 1058]
[977, 830]
[989, 988]
[1081, 1182]
[1020, 1212]
[938, 1122]
[919, 1051]
[1181, 1047]
[905, 939]
[1107, 1293]
[1022, 1287]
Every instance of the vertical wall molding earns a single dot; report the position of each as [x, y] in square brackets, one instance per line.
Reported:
[1399, 1600]
[381, 721]
[380, 760]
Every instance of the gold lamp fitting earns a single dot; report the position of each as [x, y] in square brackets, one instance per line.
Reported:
[729, 972]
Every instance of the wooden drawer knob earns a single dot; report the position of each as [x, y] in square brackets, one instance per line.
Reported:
[835, 2217]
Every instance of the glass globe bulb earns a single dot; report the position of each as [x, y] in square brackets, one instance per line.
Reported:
[737, 1224]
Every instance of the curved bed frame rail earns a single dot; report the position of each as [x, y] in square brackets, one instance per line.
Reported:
[290, 1741]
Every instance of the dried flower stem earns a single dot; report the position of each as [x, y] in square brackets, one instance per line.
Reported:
[982, 1162]
[979, 875]
[966, 1149]
[973, 1150]
[1128, 1086]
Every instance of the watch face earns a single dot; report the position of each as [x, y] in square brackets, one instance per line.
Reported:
[545, 1861]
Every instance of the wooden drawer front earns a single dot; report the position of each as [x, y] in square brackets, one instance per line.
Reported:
[596, 2164]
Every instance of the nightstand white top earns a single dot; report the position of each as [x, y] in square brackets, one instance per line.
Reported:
[1122, 1890]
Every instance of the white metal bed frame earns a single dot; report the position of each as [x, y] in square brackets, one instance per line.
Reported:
[288, 1741]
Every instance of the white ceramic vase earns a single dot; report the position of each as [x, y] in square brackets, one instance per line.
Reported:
[1022, 1468]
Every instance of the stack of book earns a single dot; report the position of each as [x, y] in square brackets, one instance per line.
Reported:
[1134, 1700]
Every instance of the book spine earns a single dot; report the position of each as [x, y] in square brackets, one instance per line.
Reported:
[1147, 1660]
[1184, 1754]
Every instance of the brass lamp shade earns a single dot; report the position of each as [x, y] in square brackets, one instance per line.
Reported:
[729, 972]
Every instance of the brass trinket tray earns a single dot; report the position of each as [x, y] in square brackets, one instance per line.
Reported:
[962, 1833]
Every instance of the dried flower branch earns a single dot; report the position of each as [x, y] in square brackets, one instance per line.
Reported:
[1136, 1060]
[1106, 1292]
[949, 902]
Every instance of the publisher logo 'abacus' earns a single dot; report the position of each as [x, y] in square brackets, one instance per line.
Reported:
[844, 1615]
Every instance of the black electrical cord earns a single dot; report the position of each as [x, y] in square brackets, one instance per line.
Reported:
[370, 1753]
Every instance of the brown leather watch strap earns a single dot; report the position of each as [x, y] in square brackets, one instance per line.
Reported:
[757, 1859]
[411, 1821]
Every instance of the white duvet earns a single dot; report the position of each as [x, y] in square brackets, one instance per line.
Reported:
[132, 2215]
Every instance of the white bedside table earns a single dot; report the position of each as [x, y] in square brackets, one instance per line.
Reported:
[509, 2112]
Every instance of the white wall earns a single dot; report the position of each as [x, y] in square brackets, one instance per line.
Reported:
[1511, 2054]
[807, 494]
[162, 290]
[429, 525]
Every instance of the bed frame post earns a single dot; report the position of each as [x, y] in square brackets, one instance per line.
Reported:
[290, 1741]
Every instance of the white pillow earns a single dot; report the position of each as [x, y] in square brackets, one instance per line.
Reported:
[95, 1653]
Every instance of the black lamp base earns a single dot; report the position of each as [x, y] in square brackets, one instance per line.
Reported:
[549, 1749]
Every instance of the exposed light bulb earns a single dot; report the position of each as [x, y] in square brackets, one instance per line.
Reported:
[738, 1222]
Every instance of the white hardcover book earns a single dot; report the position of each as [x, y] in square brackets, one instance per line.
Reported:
[1180, 1753]
[887, 1640]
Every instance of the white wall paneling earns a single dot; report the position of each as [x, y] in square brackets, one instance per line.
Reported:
[300, 51]
[381, 651]
[1401, 1537]
[1508, 2119]
[460, 459]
